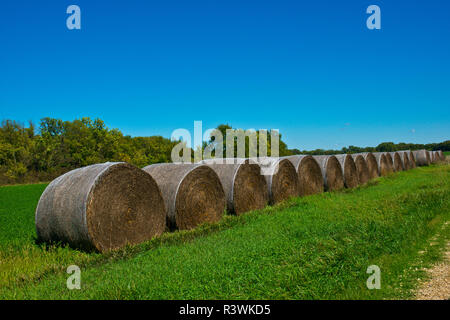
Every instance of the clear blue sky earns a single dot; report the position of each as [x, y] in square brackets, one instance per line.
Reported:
[310, 69]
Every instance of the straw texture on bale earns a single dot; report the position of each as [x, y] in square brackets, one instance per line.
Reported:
[390, 161]
[412, 160]
[102, 207]
[361, 168]
[432, 157]
[397, 161]
[192, 192]
[310, 180]
[422, 157]
[333, 178]
[282, 182]
[371, 162]
[244, 186]
[437, 156]
[382, 162]
[428, 153]
[348, 170]
[405, 159]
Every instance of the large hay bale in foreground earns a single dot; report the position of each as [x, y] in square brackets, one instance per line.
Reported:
[310, 180]
[333, 178]
[244, 186]
[422, 157]
[192, 192]
[390, 161]
[348, 170]
[281, 178]
[383, 166]
[101, 206]
[405, 159]
[397, 161]
[412, 160]
[362, 168]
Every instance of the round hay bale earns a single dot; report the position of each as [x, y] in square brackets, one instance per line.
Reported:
[244, 186]
[281, 178]
[436, 156]
[192, 192]
[432, 159]
[382, 162]
[390, 161]
[362, 168]
[422, 157]
[333, 178]
[102, 207]
[405, 159]
[310, 180]
[397, 161]
[441, 155]
[372, 165]
[412, 160]
[428, 154]
[348, 170]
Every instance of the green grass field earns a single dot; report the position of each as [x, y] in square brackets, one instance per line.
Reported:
[317, 247]
[447, 153]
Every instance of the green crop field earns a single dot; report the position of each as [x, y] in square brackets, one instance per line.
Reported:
[317, 247]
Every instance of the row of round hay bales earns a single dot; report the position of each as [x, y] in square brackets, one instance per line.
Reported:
[106, 206]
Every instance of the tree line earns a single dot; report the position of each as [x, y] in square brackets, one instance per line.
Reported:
[30, 154]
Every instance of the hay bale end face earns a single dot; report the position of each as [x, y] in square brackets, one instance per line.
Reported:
[397, 161]
[371, 163]
[422, 157]
[102, 207]
[405, 159]
[192, 192]
[390, 162]
[244, 186]
[362, 168]
[333, 178]
[382, 162]
[412, 160]
[348, 170]
[310, 180]
[283, 183]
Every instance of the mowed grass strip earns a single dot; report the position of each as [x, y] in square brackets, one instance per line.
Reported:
[317, 247]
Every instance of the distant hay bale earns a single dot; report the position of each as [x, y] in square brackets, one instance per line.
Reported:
[405, 159]
[333, 177]
[428, 153]
[422, 157]
[244, 186]
[397, 161]
[432, 157]
[102, 207]
[412, 160]
[383, 166]
[348, 170]
[310, 180]
[362, 168]
[441, 155]
[192, 192]
[283, 182]
[390, 162]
